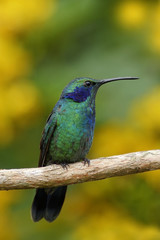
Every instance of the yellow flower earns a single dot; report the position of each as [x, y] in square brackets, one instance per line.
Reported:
[113, 224]
[146, 112]
[131, 14]
[14, 61]
[22, 15]
[23, 102]
[6, 200]
[19, 104]
[19, 100]
[154, 42]
[113, 139]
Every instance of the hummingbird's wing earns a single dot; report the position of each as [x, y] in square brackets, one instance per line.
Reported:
[46, 138]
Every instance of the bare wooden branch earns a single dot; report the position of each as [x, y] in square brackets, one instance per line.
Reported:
[55, 175]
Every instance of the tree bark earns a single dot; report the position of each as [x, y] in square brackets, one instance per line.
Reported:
[101, 168]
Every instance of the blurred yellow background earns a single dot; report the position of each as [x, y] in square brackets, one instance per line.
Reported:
[46, 43]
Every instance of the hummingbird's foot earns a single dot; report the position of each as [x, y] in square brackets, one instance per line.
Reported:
[86, 161]
[65, 166]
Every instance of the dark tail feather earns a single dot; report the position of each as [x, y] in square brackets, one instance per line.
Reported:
[39, 205]
[48, 203]
[54, 204]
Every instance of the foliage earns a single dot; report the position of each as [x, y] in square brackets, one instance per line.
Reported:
[15, 63]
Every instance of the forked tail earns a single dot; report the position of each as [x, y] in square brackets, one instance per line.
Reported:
[47, 203]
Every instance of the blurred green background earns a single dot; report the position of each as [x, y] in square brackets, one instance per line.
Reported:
[43, 45]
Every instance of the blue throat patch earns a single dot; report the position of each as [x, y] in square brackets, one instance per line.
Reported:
[79, 94]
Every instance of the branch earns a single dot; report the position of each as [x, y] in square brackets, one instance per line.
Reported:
[55, 175]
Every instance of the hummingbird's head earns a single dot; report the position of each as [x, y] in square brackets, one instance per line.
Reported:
[80, 89]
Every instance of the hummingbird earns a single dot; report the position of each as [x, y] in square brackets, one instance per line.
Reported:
[67, 138]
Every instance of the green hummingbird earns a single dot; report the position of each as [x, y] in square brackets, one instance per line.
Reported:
[67, 138]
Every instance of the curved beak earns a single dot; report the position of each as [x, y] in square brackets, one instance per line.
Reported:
[103, 81]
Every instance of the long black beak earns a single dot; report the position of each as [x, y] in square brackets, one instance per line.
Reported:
[117, 79]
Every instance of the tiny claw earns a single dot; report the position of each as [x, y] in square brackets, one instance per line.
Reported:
[65, 166]
[86, 161]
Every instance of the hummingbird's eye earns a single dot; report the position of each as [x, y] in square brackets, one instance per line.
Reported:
[87, 83]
